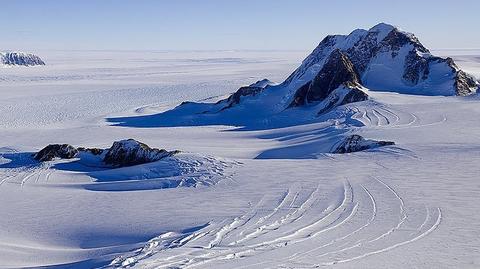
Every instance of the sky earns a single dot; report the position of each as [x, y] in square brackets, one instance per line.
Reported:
[226, 24]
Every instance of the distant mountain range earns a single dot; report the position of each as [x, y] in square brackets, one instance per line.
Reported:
[20, 58]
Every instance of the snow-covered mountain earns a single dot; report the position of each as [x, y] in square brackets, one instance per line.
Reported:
[389, 59]
[341, 70]
[20, 58]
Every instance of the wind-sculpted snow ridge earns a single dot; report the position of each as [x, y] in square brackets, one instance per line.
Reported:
[303, 228]
[20, 58]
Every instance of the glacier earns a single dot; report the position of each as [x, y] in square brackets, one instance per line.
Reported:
[257, 184]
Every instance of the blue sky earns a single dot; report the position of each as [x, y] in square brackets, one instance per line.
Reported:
[226, 24]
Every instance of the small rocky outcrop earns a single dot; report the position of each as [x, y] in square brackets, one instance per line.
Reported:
[132, 152]
[250, 90]
[53, 151]
[122, 153]
[337, 71]
[20, 58]
[94, 151]
[356, 143]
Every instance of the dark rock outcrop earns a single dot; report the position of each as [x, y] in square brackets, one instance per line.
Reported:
[234, 99]
[355, 143]
[464, 83]
[20, 58]
[337, 71]
[250, 90]
[50, 152]
[132, 152]
[122, 153]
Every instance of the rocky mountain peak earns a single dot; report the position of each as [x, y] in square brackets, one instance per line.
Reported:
[397, 39]
[387, 59]
[382, 27]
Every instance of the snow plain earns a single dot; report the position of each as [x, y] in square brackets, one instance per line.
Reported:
[265, 198]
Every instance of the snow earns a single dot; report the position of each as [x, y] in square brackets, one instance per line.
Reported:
[244, 193]
[385, 73]
[382, 30]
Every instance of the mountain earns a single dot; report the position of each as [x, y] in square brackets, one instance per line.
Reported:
[20, 58]
[388, 59]
[342, 69]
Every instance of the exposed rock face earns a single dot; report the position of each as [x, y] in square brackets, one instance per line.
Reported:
[20, 58]
[50, 152]
[355, 143]
[131, 152]
[465, 84]
[337, 71]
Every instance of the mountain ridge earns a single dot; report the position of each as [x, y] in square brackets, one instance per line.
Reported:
[342, 69]
[384, 43]
[20, 58]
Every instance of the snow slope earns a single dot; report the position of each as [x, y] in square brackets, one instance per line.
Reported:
[274, 197]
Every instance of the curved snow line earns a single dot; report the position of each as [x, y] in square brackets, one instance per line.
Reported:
[244, 250]
[351, 214]
[284, 240]
[402, 220]
[347, 196]
[362, 242]
[434, 227]
[288, 218]
[427, 218]
[280, 205]
[295, 197]
[6, 178]
[378, 121]
[370, 221]
[236, 223]
[397, 118]
[378, 114]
